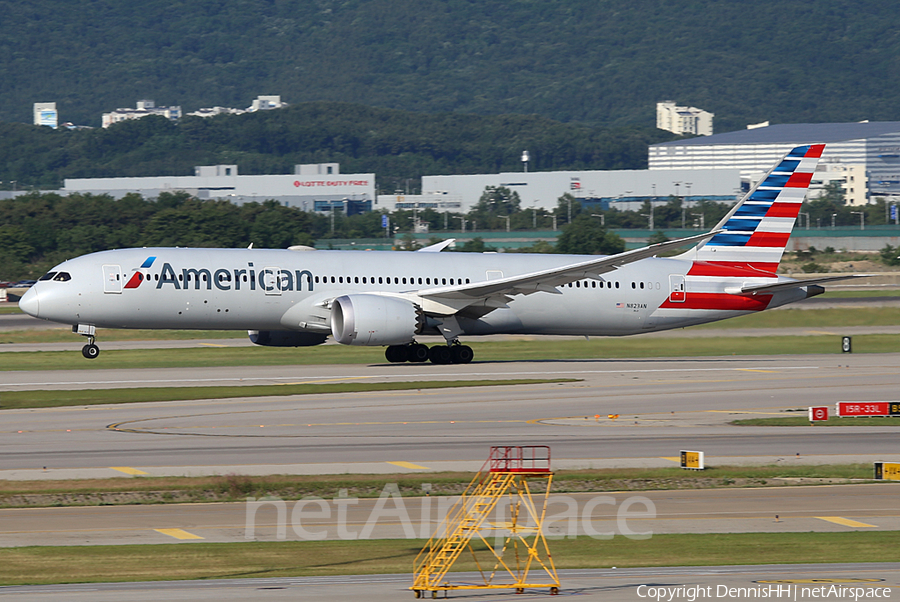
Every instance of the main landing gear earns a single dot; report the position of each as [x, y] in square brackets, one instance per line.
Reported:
[437, 354]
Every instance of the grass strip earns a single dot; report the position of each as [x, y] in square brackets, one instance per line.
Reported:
[236, 487]
[811, 318]
[786, 318]
[832, 421]
[492, 351]
[96, 564]
[56, 398]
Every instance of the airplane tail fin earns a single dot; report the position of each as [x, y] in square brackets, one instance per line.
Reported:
[756, 230]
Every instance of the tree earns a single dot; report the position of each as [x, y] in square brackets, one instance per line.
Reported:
[585, 236]
[496, 202]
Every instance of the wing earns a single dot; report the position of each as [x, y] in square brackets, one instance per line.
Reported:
[492, 294]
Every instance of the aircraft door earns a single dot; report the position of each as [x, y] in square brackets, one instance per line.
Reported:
[273, 281]
[677, 293]
[112, 279]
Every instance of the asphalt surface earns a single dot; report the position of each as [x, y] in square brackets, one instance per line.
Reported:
[664, 405]
[822, 508]
[787, 583]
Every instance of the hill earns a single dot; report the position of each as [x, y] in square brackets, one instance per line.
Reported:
[395, 145]
[591, 61]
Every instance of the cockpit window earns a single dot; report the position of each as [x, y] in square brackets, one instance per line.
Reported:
[47, 276]
[62, 277]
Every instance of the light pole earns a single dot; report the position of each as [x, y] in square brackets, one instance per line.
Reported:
[462, 224]
[807, 218]
[833, 216]
[525, 159]
[506, 217]
[602, 218]
[862, 219]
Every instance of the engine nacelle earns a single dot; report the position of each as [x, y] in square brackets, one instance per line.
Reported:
[285, 338]
[374, 320]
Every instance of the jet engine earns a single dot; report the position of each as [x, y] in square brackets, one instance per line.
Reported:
[286, 338]
[375, 320]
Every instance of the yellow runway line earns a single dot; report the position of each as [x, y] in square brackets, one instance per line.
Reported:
[127, 470]
[178, 533]
[409, 465]
[839, 520]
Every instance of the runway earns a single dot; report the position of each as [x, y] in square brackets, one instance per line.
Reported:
[783, 583]
[664, 405]
[869, 507]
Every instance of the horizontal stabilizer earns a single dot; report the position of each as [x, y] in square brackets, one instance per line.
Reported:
[781, 286]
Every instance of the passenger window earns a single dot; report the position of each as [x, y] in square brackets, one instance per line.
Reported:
[617, 284]
[642, 285]
[633, 285]
[443, 281]
[451, 281]
[428, 281]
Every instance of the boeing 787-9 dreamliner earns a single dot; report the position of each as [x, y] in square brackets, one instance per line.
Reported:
[287, 297]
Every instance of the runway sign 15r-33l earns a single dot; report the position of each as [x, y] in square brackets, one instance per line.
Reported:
[868, 408]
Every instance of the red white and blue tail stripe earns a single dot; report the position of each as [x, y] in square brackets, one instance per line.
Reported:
[756, 231]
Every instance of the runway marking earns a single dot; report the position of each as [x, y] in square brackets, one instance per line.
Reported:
[839, 520]
[672, 458]
[127, 470]
[405, 375]
[754, 370]
[178, 534]
[747, 412]
[409, 465]
[327, 380]
[212, 345]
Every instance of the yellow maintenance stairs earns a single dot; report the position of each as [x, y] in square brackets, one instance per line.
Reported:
[523, 560]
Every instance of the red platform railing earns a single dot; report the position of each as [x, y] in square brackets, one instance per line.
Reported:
[519, 458]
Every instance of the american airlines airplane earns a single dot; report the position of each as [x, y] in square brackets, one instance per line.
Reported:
[297, 298]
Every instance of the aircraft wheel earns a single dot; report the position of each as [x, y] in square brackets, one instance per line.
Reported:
[90, 351]
[418, 353]
[461, 354]
[396, 354]
[440, 354]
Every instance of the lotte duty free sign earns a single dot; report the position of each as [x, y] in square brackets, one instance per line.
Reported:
[868, 408]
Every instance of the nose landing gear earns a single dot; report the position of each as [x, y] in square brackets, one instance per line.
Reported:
[89, 351]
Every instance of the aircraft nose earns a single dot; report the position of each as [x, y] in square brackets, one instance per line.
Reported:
[30, 303]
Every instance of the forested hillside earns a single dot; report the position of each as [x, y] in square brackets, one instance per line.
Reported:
[393, 144]
[592, 61]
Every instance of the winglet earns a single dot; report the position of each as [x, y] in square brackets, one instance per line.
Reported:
[437, 247]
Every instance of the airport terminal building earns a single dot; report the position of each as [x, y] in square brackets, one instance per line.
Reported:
[864, 156]
[315, 187]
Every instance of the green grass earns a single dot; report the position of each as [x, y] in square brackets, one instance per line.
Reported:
[493, 351]
[10, 309]
[832, 421]
[94, 564]
[812, 318]
[65, 335]
[59, 398]
[236, 487]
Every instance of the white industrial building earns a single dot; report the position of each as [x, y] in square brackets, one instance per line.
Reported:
[683, 120]
[45, 114]
[144, 108]
[314, 187]
[864, 157]
[625, 189]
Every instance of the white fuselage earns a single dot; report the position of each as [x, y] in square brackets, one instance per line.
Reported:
[261, 289]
